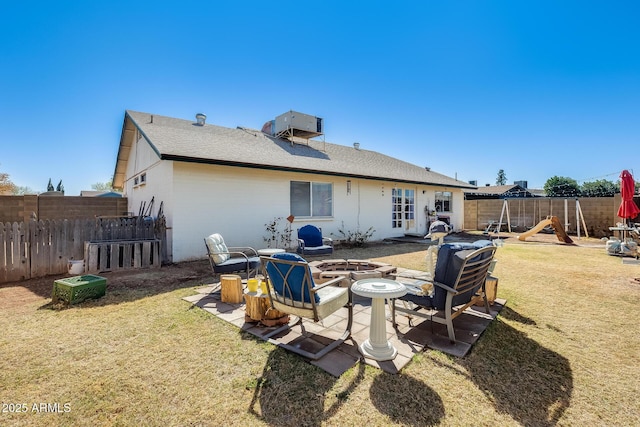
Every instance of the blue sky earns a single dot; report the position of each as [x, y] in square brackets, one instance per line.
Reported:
[465, 87]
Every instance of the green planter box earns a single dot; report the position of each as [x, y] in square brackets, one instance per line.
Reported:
[78, 288]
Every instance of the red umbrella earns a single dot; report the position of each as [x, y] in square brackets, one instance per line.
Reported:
[628, 208]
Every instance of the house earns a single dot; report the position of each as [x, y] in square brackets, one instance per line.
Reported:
[498, 192]
[212, 179]
[94, 193]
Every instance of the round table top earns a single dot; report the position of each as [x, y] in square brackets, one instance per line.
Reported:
[270, 251]
[378, 288]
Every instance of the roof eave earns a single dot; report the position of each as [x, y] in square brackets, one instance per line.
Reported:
[127, 139]
[119, 171]
[188, 159]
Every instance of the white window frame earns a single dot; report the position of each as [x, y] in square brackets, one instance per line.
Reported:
[140, 180]
[443, 201]
[311, 202]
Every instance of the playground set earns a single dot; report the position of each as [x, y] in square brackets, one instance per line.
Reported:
[550, 222]
[625, 243]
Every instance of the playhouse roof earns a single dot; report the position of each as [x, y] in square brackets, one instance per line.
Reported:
[498, 192]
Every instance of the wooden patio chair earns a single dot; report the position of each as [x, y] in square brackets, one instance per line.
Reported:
[459, 282]
[292, 290]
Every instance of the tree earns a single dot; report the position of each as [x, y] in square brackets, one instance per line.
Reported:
[6, 186]
[560, 186]
[103, 186]
[502, 178]
[21, 191]
[599, 188]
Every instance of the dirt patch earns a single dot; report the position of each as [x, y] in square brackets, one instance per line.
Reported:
[546, 238]
[472, 236]
[24, 293]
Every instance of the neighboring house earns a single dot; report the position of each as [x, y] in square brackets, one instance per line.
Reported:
[212, 179]
[537, 192]
[498, 192]
[94, 193]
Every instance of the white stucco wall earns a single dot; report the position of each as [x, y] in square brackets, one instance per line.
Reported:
[239, 202]
[200, 199]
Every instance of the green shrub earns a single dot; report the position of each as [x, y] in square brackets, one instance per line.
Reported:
[357, 238]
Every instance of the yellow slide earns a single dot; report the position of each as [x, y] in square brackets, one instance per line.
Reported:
[554, 222]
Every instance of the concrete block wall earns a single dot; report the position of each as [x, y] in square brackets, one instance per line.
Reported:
[599, 213]
[23, 208]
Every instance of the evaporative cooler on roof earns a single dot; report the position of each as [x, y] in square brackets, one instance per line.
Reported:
[299, 125]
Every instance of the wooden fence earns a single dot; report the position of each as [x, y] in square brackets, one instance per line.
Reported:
[40, 248]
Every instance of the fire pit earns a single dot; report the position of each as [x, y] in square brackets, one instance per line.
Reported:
[352, 269]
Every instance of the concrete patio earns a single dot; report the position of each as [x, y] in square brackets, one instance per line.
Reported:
[408, 340]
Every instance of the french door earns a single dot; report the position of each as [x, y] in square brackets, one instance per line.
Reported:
[403, 202]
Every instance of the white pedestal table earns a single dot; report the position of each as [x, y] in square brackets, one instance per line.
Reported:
[270, 251]
[377, 346]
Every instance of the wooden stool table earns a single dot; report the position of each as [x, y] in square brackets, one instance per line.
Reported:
[258, 309]
[491, 289]
[231, 288]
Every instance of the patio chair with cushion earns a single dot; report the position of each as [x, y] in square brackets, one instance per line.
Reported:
[459, 282]
[225, 259]
[292, 290]
[311, 242]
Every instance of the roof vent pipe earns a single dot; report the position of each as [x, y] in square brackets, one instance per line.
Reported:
[200, 119]
[356, 145]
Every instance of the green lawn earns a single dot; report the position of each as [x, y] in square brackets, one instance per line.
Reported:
[563, 351]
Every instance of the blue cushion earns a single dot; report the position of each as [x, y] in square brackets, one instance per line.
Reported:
[446, 272]
[236, 264]
[316, 250]
[450, 259]
[311, 235]
[297, 288]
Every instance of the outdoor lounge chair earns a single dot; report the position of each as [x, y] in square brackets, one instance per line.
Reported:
[311, 242]
[459, 282]
[225, 259]
[293, 291]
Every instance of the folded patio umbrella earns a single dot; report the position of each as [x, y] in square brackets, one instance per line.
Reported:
[628, 208]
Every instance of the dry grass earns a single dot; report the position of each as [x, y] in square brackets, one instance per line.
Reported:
[563, 351]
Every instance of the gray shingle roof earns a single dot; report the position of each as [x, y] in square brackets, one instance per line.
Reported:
[183, 140]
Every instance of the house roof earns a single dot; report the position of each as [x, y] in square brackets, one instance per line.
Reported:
[94, 193]
[183, 140]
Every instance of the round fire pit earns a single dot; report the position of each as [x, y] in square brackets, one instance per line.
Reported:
[352, 269]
